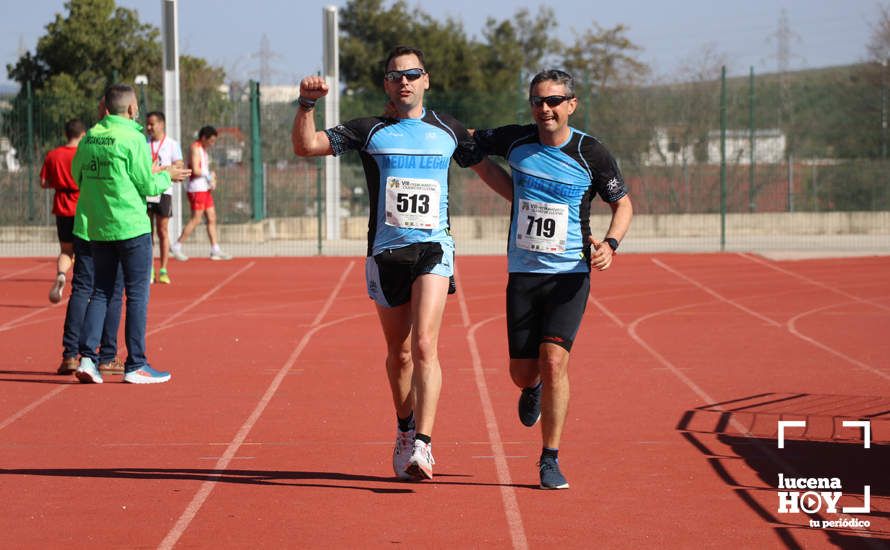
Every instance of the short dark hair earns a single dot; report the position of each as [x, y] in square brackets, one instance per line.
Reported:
[117, 98]
[207, 132]
[554, 75]
[399, 51]
[74, 128]
[158, 115]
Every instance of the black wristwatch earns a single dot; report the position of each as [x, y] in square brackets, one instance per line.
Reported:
[613, 243]
[307, 104]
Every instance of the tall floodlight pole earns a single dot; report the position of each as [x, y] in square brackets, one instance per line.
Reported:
[331, 119]
[169, 9]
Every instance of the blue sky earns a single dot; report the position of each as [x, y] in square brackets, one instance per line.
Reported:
[228, 34]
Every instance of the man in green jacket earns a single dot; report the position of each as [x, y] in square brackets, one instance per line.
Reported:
[113, 169]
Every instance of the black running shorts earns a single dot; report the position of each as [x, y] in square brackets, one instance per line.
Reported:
[163, 209]
[65, 228]
[391, 273]
[544, 308]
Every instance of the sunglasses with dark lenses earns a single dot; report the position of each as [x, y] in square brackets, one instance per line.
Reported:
[550, 100]
[410, 74]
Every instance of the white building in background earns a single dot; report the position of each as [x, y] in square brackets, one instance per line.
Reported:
[8, 160]
[275, 93]
[769, 148]
[665, 152]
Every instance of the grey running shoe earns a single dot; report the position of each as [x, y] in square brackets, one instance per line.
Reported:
[551, 477]
[530, 405]
[402, 452]
[176, 253]
[55, 293]
[420, 465]
[87, 372]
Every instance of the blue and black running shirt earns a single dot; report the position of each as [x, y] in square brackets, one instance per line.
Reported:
[552, 190]
[406, 167]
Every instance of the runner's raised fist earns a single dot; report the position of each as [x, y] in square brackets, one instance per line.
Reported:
[313, 87]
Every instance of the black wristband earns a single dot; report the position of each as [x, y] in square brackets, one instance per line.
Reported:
[307, 104]
[613, 243]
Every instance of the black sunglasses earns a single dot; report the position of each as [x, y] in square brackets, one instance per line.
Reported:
[550, 100]
[410, 74]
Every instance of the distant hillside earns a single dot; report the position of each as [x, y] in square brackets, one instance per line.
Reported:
[829, 112]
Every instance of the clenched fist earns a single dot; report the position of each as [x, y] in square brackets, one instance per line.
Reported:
[313, 87]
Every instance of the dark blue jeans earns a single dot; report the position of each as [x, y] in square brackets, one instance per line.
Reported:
[81, 290]
[133, 257]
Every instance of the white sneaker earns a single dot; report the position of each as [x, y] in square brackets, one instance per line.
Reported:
[177, 253]
[219, 255]
[87, 373]
[420, 465]
[401, 453]
[55, 293]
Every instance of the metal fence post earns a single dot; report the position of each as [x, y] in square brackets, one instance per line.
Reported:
[30, 156]
[723, 159]
[257, 192]
[751, 143]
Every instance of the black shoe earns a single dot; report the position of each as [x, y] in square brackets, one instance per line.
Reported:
[530, 405]
[551, 477]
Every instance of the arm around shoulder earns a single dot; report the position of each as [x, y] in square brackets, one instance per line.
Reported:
[495, 177]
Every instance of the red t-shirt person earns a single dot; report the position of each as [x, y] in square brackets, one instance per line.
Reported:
[56, 173]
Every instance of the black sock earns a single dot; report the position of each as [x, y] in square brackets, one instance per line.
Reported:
[423, 437]
[552, 453]
[406, 424]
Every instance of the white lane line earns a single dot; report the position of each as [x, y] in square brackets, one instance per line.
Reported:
[23, 271]
[207, 487]
[813, 281]
[166, 323]
[714, 293]
[508, 493]
[18, 321]
[33, 406]
[599, 305]
[792, 328]
[790, 325]
[200, 299]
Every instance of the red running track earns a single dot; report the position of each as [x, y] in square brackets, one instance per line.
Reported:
[277, 428]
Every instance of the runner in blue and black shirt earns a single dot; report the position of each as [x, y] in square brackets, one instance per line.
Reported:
[557, 170]
[410, 256]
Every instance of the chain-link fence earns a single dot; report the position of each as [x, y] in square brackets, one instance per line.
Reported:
[773, 162]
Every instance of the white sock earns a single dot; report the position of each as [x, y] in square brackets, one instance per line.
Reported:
[176, 246]
[215, 248]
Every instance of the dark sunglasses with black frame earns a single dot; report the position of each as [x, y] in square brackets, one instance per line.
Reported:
[550, 100]
[410, 74]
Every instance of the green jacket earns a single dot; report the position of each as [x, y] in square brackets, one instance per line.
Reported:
[112, 166]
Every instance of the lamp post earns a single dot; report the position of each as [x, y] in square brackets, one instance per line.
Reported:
[141, 81]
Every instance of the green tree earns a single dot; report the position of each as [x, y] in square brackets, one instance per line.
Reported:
[202, 101]
[608, 75]
[367, 32]
[93, 44]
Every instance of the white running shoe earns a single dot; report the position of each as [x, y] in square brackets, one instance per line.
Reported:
[219, 255]
[87, 373]
[55, 293]
[177, 253]
[401, 453]
[420, 465]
